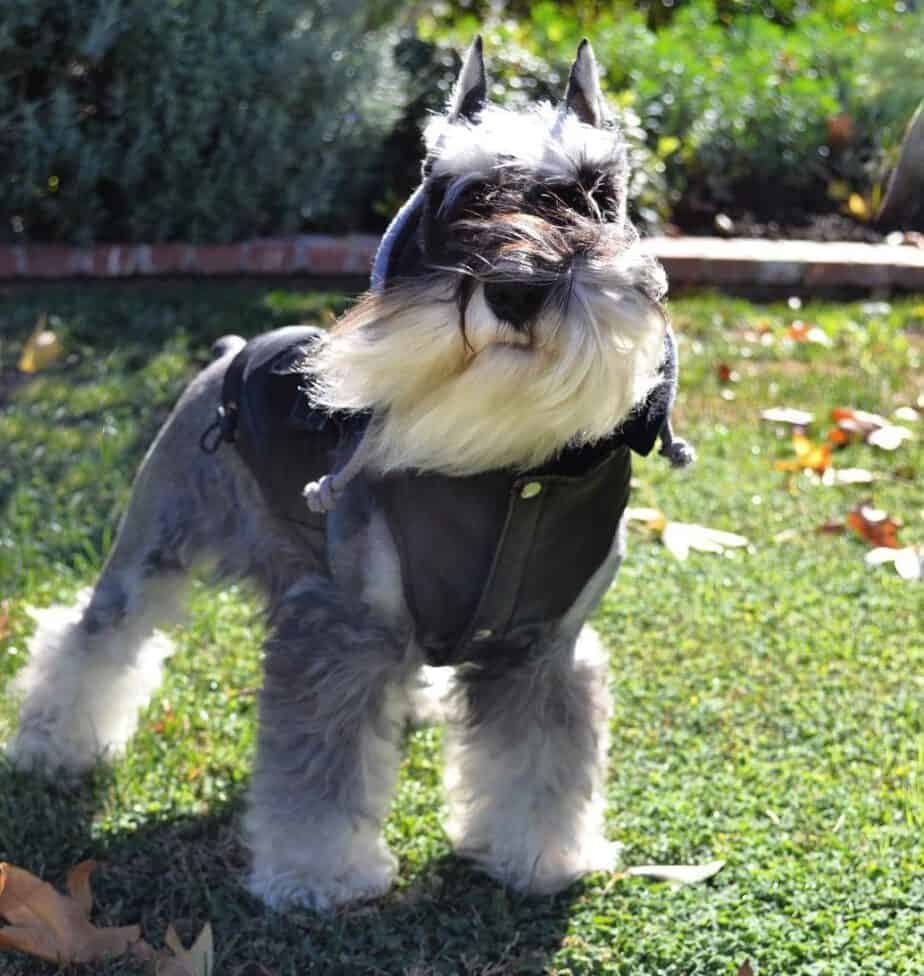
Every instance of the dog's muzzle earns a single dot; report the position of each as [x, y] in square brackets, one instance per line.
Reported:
[516, 303]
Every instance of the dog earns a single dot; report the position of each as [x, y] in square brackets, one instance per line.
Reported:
[463, 439]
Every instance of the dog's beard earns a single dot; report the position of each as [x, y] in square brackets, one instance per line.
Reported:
[460, 400]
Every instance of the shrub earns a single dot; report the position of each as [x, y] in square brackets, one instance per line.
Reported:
[190, 119]
[781, 110]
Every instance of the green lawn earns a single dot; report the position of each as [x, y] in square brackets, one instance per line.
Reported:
[769, 702]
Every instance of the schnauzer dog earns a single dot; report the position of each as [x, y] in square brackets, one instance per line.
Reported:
[464, 433]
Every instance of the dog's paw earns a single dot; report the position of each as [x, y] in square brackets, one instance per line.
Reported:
[40, 747]
[286, 889]
[557, 870]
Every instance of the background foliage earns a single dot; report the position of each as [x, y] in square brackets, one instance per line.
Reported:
[225, 119]
[190, 119]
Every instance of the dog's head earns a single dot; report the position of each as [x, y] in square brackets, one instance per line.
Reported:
[513, 313]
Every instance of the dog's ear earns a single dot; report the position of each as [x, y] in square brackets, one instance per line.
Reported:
[471, 89]
[583, 96]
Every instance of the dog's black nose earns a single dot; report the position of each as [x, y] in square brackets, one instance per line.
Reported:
[515, 303]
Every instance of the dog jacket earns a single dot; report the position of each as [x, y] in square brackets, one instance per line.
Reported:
[490, 562]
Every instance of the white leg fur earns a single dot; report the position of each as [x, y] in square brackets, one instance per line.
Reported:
[317, 864]
[318, 847]
[525, 782]
[81, 692]
[431, 696]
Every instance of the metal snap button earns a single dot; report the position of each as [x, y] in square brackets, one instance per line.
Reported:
[530, 489]
[483, 635]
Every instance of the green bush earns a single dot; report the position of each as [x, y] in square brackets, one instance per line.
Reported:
[191, 119]
[780, 110]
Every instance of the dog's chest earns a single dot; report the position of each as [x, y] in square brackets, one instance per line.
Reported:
[490, 562]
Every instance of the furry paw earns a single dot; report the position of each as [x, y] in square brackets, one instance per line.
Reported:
[556, 871]
[280, 888]
[40, 747]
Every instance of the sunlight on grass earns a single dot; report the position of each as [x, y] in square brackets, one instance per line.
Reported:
[768, 700]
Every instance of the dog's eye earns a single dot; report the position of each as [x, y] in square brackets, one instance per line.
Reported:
[555, 201]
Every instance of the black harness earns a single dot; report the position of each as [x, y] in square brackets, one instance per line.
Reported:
[490, 561]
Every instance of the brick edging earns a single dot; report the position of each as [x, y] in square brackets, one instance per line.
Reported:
[689, 261]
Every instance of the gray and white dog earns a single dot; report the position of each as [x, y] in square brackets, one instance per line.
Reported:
[474, 413]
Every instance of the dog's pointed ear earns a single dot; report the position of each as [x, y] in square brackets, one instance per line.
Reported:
[583, 96]
[471, 89]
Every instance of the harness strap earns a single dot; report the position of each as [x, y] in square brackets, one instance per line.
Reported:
[224, 428]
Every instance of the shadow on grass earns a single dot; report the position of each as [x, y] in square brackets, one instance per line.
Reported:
[447, 919]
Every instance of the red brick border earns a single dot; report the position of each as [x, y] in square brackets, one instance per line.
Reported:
[689, 261]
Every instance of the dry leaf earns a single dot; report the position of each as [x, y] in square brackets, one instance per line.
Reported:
[800, 331]
[745, 969]
[872, 427]
[908, 562]
[676, 873]
[889, 438]
[41, 349]
[787, 415]
[809, 456]
[680, 537]
[653, 518]
[874, 525]
[198, 960]
[865, 419]
[56, 927]
[838, 477]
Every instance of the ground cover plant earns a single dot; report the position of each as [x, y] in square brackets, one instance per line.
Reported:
[768, 699]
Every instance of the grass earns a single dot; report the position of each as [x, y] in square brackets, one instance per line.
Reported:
[769, 701]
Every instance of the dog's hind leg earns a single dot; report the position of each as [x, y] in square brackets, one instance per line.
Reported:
[525, 764]
[331, 714]
[94, 664]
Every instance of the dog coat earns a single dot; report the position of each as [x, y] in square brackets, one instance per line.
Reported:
[490, 562]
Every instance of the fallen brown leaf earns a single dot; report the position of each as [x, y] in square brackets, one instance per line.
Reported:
[800, 331]
[874, 525]
[870, 427]
[787, 415]
[53, 926]
[745, 969]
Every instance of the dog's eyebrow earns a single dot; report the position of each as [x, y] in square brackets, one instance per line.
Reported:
[456, 188]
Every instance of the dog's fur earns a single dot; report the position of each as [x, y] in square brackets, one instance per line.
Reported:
[520, 215]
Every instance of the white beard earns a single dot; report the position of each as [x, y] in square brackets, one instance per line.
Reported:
[493, 397]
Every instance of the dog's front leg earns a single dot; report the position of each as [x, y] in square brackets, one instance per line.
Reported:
[331, 714]
[525, 763]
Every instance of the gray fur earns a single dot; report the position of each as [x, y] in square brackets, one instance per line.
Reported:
[527, 741]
